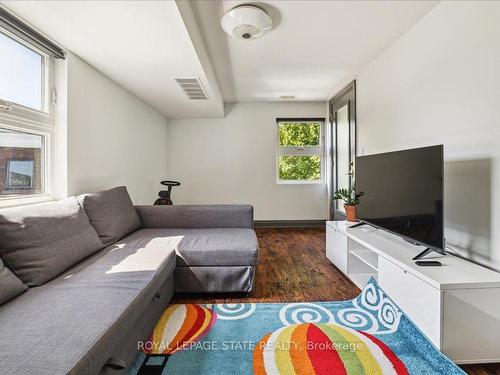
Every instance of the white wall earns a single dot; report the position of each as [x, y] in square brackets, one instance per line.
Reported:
[113, 138]
[233, 160]
[440, 83]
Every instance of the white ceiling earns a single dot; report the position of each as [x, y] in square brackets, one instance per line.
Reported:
[316, 47]
[142, 45]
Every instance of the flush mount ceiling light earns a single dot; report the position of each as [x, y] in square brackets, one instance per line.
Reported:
[246, 22]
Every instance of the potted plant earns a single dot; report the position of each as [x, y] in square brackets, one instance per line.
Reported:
[351, 199]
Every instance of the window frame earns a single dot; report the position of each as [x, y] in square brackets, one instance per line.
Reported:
[37, 122]
[301, 150]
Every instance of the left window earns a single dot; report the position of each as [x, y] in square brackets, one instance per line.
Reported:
[26, 119]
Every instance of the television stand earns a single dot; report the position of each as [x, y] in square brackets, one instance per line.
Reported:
[422, 254]
[457, 305]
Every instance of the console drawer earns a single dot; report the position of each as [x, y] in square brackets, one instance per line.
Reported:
[420, 301]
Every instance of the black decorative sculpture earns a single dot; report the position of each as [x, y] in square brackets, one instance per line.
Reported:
[165, 194]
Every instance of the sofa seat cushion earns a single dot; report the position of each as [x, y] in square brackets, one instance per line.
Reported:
[10, 285]
[41, 241]
[201, 247]
[74, 323]
[111, 213]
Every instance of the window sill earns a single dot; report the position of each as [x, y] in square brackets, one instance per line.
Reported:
[23, 201]
[299, 182]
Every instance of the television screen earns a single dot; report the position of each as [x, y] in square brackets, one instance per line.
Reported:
[403, 194]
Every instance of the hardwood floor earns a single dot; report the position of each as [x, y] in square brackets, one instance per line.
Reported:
[293, 268]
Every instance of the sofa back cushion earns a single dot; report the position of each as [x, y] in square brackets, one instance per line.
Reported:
[111, 213]
[41, 241]
[10, 285]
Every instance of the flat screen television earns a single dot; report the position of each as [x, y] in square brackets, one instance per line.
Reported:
[403, 194]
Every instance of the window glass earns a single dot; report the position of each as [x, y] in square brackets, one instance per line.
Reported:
[299, 133]
[343, 152]
[305, 168]
[21, 74]
[21, 163]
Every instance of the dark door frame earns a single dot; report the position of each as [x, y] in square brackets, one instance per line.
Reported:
[345, 96]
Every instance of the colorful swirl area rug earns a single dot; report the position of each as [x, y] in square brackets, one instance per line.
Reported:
[367, 335]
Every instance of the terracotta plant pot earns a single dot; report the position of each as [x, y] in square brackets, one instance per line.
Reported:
[350, 212]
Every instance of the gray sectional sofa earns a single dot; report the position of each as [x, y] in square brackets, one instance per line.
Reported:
[84, 279]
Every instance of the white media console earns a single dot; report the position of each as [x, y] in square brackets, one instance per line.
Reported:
[457, 305]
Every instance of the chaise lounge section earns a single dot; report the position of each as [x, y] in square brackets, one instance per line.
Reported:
[83, 280]
[216, 246]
